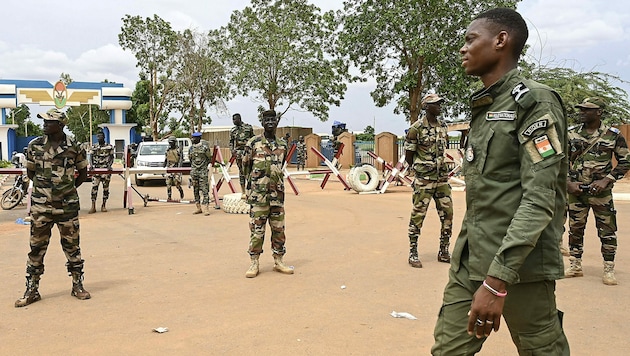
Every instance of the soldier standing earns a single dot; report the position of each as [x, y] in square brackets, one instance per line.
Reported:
[200, 156]
[101, 156]
[239, 135]
[590, 183]
[262, 163]
[301, 153]
[425, 144]
[51, 162]
[173, 159]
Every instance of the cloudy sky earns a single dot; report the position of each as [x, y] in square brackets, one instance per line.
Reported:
[42, 39]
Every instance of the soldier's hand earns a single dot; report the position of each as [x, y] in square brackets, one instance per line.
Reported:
[574, 188]
[599, 185]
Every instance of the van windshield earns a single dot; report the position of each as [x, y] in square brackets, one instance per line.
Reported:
[153, 150]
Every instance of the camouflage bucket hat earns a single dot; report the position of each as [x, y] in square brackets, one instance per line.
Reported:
[592, 103]
[432, 98]
[54, 114]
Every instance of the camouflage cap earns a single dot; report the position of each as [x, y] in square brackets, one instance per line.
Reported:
[54, 114]
[172, 139]
[431, 98]
[592, 103]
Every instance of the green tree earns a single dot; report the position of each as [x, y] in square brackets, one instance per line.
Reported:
[154, 44]
[79, 121]
[282, 52]
[201, 83]
[411, 48]
[575, 86]
[367, 135]
[21, 116]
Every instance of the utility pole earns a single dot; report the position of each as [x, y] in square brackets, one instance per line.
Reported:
[90, 111]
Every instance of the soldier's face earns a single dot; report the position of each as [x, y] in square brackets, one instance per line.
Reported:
[434, 108]
[270, 123]
[236, 120]
[52, 127]
[100, 138]
[195, 139]
[478, 53]
[588, 116]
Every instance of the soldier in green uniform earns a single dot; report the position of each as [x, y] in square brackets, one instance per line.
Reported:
[101, 156]
[300, 148]
[425, 143]
[239, 135]
[200, 156]
[173, 159]
[262, 163]
[51, 162]
[506, 259]
[591, 179]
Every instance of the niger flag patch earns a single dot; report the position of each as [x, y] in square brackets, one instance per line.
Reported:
[543, 146]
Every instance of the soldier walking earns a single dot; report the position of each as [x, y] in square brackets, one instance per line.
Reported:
[101, 156]
[239, 135]
[591, 179]
[173, 159]
[262, 163]
[425, 144]
[200, 156]
[50, 163]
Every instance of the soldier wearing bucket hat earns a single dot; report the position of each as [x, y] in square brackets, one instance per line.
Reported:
[425, 144]
[591, 178]
[50, 163]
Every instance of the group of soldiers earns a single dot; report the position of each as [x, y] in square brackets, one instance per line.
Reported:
[594, 147]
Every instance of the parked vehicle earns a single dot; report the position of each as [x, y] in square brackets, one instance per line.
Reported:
[12, 197]
[150, 154]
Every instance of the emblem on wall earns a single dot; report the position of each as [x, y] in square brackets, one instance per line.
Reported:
[60, 95]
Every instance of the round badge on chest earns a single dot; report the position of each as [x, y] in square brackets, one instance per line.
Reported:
[470, 154]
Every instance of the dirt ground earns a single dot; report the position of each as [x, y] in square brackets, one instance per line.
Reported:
[164, 267]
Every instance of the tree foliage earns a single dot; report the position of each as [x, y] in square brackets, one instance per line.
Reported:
[154, 44]
[411, 48]
[367, 135]
[201, 83]
[281, 51]
[21, 116]
[79, 121]
[575, 86]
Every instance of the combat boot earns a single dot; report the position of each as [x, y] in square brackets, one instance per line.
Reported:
[414, 261]
[93, 210]
[31, 295]
[279, 265]
[443, 255]
[168, 197]
[575, 268]
[181, 193]
[103, 207]
[198, 211]
[206, 210]
[609, 274]
[77, 287]
[253, 268]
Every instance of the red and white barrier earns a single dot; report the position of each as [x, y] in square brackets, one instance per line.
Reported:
[332, 166]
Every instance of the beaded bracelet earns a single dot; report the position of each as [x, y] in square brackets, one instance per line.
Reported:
[494, 291]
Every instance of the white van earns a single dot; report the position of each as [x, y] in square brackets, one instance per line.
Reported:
[150, 154]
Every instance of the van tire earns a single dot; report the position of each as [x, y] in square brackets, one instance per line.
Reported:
[233, 204]
[355, 182]
[139, 182]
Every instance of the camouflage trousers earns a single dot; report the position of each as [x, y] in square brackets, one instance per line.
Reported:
[423, 192]
[41, 231]
[605, 221]
[258, 217]
[200, 187]
[239, 164]
[101, 179]
[173, 179]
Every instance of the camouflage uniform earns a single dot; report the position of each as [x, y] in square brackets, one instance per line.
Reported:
[54, 200]
[101, 157]
[239, 135]
[591, 159]
[428, 142]
[301, 154]
[262, 163]
[200, 156]
[173, 159]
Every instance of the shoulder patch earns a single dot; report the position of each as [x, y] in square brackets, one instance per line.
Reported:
[540, 124]
[614, 129]
[519, 90]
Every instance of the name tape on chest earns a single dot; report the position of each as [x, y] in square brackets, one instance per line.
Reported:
[501, 116]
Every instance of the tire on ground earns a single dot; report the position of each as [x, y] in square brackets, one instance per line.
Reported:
[355, 182]
[233, 204]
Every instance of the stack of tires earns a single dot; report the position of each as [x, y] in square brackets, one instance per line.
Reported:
[363, 178]
[233, 204]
